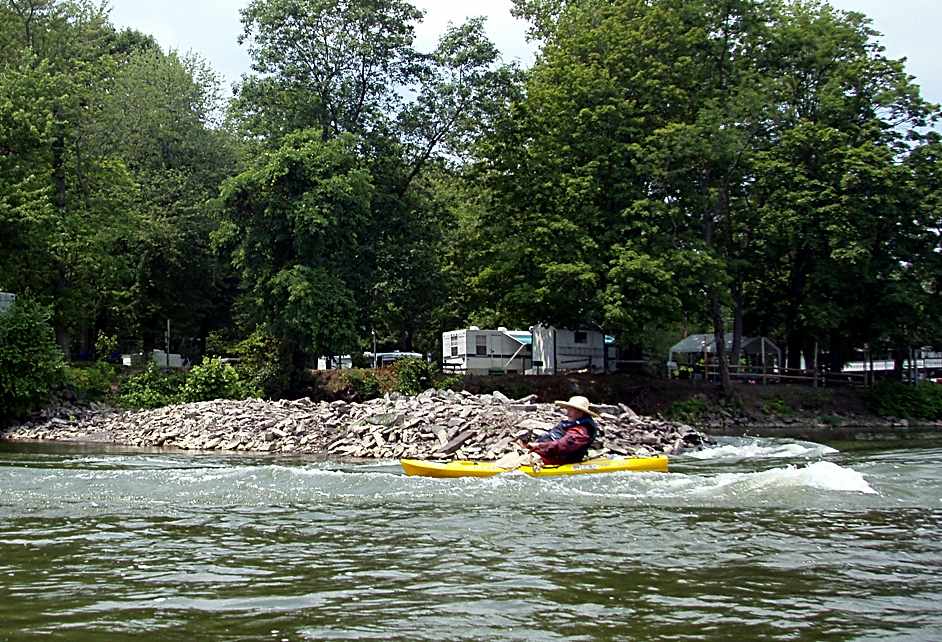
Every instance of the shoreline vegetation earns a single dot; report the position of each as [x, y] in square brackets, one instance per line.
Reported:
[666, 168]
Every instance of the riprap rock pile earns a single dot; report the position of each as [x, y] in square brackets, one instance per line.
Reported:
[436, 424]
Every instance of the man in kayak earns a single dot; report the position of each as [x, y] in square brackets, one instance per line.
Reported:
[567, 443]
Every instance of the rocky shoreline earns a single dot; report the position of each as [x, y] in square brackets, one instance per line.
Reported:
[437, 424]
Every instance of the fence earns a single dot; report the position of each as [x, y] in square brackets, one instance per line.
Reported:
[775, 375]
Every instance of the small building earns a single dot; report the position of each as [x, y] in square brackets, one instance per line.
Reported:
[538, 350]
[698, 348]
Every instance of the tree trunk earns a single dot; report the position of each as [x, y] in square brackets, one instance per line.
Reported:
[719, 335]
[795, 343]
[899, 357]
[63, 334]
[737, 323]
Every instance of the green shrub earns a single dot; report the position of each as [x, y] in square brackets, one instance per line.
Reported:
[151, 388]
[363, 383]
[690, 410]
[413, 375]
[105, 346]
[92, 382]
[31, 363]
[213, 379]
[217, 345]
[264, 364]
[450, 382]
[776, 407]
[897, 399]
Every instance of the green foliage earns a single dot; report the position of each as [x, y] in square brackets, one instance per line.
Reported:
[217, 344]
[291, 225]
[213, 379]
[109, 158]
[151, 388]
[687, 161]
[776, 406]
[413, 375]
[263, 364]
[831, 420]
[92, 382]
[690, 410]
[105, 345]
[896, 399]
[30, 362]
[451, 382]
[363, 383]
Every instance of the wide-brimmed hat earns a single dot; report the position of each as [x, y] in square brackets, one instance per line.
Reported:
[578, 403]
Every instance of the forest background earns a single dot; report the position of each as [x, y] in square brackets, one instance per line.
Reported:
[742, 167]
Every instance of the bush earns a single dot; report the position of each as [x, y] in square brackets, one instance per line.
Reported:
[690, 411]
[413, 375]
[31, 363]
[91, 382]
[264, 365]
[213, 379]
[776, 406]
[450, 382]
[151, 388]
[897, 399]
[106, 347]
[363, 384]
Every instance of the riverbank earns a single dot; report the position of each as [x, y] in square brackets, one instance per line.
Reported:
[436, 424]
[776, 410]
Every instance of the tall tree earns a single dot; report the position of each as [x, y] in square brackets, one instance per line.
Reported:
[352, 68]
[291, 222]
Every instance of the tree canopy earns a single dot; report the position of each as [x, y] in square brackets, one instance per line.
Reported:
[742, 167]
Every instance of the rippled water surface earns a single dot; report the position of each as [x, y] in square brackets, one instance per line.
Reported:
[751, 540]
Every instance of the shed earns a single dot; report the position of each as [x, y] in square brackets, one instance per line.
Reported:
[700, 344]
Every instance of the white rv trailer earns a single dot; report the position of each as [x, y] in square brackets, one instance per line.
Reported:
[538, 350]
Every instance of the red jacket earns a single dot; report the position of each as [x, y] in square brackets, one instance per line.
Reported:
[570, 448]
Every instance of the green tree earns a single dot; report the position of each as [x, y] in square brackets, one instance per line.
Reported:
[741, 161]
[352, 68]
[291, 224]
[30, 362]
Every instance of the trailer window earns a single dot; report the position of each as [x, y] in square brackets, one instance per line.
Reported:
[480, 345]
[581, 337]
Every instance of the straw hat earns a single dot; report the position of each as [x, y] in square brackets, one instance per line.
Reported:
[579, 403]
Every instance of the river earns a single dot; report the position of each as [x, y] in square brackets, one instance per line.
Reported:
[750, 540]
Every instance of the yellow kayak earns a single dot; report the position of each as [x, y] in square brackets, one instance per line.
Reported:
[464, 468]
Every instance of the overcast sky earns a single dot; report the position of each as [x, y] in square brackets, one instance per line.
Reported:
[211, 27]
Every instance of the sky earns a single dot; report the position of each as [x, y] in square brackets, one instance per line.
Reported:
[210, 28]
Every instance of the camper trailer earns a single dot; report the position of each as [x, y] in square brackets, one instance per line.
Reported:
[538, 350]
[483, 352]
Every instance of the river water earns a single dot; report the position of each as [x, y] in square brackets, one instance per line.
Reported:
[750, 540]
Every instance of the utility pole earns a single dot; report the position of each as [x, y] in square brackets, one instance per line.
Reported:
[373, 331]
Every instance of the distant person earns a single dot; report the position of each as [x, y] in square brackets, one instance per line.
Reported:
[567, 443]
